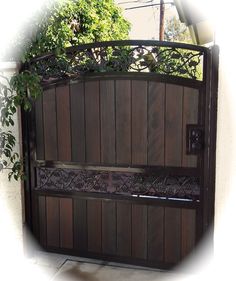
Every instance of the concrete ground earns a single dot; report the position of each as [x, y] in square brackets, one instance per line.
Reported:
[61, 267]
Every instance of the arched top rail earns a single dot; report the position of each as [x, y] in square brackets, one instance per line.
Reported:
[160, 57]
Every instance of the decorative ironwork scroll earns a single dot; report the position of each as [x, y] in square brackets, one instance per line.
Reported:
[68, 180]
[166, 58]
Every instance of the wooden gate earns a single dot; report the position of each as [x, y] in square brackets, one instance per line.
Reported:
[121, 151]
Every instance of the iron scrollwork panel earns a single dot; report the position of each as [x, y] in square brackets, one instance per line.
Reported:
[123, 57]
[67, 180]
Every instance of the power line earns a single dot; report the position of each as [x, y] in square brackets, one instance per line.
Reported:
[151, 5]
[135, 1]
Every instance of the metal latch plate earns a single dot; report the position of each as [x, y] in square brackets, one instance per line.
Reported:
[194, 139]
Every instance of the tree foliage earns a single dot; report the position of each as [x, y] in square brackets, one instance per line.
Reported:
[175, 31]
[71, 22]
[62, 23]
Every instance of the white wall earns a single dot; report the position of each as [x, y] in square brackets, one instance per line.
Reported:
[11, 191]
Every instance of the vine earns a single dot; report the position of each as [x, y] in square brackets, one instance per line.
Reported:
[17, 92]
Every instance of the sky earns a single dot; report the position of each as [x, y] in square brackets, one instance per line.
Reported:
[144, 21]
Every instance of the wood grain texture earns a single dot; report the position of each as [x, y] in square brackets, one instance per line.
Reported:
[123, 229]
[77, 122]
[173, 125]
[139, 122]
[156, 233]
[92, 117]
[50, 124]
[53, 221]
[109, 227]
[156, 119]
[188, 231]
[63, 123]
[80, 225]
[39, 128]
[190, 116]
[139, 231]
[42, 220]
[66, 223]
[123, 122]
[94, 220]
[172, 235]
[107, 101]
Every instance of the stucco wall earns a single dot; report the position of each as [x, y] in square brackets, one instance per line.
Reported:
[11, 191]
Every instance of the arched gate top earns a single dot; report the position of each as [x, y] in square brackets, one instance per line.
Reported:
[160, 57]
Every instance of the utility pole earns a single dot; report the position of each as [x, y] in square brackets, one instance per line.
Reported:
[162, 19]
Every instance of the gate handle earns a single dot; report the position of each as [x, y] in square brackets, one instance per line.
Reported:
[194, 139]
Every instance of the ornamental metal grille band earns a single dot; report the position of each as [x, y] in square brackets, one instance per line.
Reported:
[163, 58]
[69, 180]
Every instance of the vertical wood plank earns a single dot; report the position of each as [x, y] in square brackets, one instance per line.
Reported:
[42, 220]
[107, 100]
[156, 117]
[139, 122]
[63, 123]
[77, 122]
[123, 229]
[188, 231]
[50, 124]
[39, 128]
[156, 233]
[190, 116]
[109, 227]
[92, 117]
[94, 209]
[172, 235]
[173, 125]
[123, 122]
[139, 231]
[80, 225]
[66, 223]
[53, 222]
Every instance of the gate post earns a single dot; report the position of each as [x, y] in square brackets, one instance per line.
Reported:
[210, 138]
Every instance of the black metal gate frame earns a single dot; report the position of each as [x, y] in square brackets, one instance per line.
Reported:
[167, 64]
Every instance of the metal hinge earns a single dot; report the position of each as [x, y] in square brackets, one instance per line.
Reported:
[194, 139]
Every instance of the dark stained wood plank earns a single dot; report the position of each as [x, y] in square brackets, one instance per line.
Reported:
[156, 118]
[66, 223]
[172, 235]
[123, 229]
[188, 231]
[156, 234]
[139, 122]
[42, 220]
[50, 124]
[92, 120]
[173, 125]
[94, 220]
[63, 123]
[53, 221]
[39, 128]
[80, 225]
[77, 122]
[139, 231]
[109, 227]
[190, 116]
[123, 122]
[107, 101]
